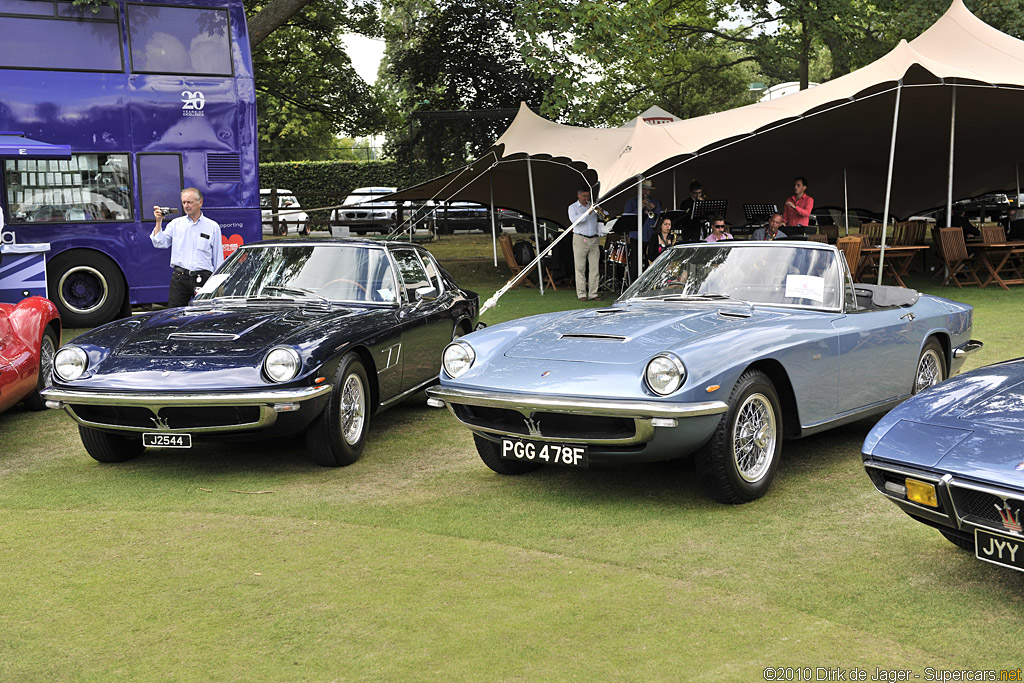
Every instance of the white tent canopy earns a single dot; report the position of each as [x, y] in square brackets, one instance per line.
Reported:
[750, 154]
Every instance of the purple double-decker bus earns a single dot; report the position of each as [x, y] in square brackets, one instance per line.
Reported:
[150, 98]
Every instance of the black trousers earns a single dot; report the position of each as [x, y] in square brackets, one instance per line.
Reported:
[183, 286]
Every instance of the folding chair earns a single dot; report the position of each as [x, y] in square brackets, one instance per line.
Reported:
[510, 259]
[851, 246]
[959, 264]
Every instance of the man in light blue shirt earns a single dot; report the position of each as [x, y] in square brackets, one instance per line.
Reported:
[586, 246]
[195, 244]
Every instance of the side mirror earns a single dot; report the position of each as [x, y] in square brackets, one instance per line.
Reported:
[426, 294]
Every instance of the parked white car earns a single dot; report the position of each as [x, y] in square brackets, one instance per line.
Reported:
[362, 213]
[291, 216]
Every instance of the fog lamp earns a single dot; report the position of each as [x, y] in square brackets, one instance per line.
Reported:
[922, 492]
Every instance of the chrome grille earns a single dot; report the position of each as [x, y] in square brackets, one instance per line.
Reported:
[982, 507]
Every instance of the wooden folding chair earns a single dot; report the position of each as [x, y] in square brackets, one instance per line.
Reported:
[510, 259]
[959, 264]
[851, 246]
[817, 238]
[1011, 267]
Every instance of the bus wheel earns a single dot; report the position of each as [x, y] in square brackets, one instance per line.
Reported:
[87, 287]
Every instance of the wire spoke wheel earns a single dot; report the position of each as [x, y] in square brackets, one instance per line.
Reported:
[754, 437]
[353, 409]
[739, 463]
[929, 370]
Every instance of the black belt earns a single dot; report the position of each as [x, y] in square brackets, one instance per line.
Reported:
[190, 273]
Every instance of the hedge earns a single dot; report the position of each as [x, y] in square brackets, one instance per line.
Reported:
[327, 183]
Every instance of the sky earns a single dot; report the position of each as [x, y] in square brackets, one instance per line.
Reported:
[366, 54]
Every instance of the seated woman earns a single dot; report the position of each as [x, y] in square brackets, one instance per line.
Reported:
[662, 239]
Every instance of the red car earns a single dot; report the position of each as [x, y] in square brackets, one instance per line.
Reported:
[29, 336]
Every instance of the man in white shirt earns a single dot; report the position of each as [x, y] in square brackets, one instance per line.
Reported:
[586, 246]
[195, 244]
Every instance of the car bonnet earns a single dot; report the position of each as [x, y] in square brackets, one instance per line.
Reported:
[627, 334]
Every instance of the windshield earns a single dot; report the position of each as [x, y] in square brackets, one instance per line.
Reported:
[773, 273]
[326, 272]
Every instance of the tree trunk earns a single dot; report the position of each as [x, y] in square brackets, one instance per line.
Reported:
[276, 13]
[805, 55]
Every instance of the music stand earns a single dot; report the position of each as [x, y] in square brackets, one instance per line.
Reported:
[708, 207]
[759, 213]
[625, 224]
[703, 210]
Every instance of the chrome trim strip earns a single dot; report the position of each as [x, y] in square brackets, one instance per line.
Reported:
[408, 392]
[154, 402]
[577, 406]
[641, 412]
[107, 398]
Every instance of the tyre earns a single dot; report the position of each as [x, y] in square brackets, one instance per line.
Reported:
[87, 287]
[738, 464]
[47, 349]
[337, 436]
[107, 447]
[488, 451]
[931, 367]
[958, 541]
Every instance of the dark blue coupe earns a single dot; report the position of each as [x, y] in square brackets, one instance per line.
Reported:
[290, 336]
[952, 457]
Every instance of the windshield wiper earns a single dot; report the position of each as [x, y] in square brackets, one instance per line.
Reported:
[708, 296]
[295, 290]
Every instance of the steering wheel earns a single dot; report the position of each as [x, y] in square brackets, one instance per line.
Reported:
[344, 279]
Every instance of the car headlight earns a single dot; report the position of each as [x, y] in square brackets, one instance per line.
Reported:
[665, 373]
[282, 364]
[457, 358]
[70, 363]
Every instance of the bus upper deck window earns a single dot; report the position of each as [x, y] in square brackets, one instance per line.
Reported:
[179, 40]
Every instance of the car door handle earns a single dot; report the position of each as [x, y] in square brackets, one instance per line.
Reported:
[909, 317]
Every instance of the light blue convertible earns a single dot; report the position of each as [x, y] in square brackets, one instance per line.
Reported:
[721, 350]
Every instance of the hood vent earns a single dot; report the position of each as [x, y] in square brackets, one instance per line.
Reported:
[593, 336]
[733, 314]
[203, 336]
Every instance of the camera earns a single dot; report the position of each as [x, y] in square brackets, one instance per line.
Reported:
[168, 210]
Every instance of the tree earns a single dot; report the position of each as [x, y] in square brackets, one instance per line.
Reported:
[307, 91]
[453, 56]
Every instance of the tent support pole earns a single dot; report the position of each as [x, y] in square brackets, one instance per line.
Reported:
[494, 229]
[1014, 214]
[952, 138]
[640, 227]
[888, 182]
[674, 202]
[846, 202]
[536, 230]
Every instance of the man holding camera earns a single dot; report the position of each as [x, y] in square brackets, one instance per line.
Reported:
[195, 244]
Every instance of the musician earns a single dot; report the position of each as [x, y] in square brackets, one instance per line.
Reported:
[586, 245]
[718, 232]
[649, 212]
[662, 240]
[772, 232]
[688, 226]
[797, 211]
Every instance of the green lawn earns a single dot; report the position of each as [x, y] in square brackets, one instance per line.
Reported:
[247, 562]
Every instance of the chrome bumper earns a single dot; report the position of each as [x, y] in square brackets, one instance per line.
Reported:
[271, 402]
[967, 349]
[644, 414]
